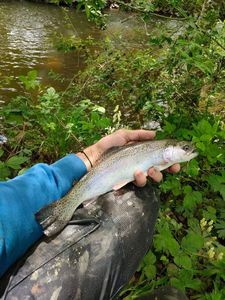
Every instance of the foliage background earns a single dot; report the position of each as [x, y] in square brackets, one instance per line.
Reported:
[178, 81]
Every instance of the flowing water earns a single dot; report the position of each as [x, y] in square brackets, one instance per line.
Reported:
[27, 31]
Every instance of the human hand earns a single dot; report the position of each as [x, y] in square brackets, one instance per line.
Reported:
[154, 173]
[122, 137]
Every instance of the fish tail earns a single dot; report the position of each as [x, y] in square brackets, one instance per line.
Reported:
[47, 215]
[53, 218]
[55, 227]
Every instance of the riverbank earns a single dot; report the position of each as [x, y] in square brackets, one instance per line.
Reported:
[164, 8]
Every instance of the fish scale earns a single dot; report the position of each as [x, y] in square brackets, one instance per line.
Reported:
[115, 169]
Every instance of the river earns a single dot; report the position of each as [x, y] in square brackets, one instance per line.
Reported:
[27, 31]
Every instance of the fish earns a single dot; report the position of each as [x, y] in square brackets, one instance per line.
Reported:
[114, 170]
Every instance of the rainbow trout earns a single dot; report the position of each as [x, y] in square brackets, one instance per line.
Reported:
[115, 169]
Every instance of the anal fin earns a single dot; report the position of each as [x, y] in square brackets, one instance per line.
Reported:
[120, 184]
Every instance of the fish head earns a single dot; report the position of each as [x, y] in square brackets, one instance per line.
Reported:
[179, 151]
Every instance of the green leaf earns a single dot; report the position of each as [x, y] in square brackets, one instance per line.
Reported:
[217, 184]
[204, 127]
[164, 241]
[222, 192]
[192, 199]
[185, 280]
[210, 213]
[183, 260]
[205, 66]
[206, 138]
[187, 189]
[172, 184]
[169, 127]
[15, 162]
[150, 271]
[220, 227]
[200, 146]
[4, 171]
[193, 168]
[194, 225]
[192, 242]
[30, 81]
[149, 258]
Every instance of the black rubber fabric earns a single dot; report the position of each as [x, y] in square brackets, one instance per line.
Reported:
[89, 262]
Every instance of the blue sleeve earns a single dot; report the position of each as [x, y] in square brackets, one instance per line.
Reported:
[23, 196]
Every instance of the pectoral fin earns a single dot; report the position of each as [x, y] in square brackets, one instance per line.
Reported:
[120, 184]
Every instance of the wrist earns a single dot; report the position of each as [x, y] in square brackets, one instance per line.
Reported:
[91, 156]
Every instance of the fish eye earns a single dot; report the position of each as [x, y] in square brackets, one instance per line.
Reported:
[186, 148]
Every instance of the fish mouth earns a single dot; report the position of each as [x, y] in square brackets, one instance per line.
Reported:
[193, 153]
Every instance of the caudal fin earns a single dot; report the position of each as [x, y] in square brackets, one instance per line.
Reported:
[55, 227]
[46, 216]
[52, 218]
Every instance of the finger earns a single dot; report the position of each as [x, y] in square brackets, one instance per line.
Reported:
[138, 135]
[140, 178]
[174, 168]
[155, 174]
[124, 136]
